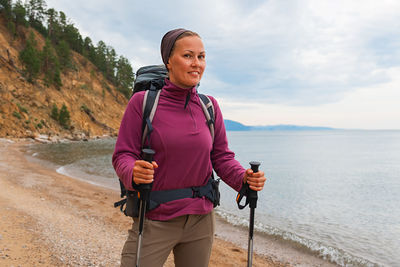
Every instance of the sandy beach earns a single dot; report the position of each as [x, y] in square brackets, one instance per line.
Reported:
[48, 219]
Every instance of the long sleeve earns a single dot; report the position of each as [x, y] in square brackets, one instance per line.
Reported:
[223, 159]
[128, 145]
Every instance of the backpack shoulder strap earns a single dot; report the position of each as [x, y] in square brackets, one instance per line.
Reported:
[150, 102]
[208, 109]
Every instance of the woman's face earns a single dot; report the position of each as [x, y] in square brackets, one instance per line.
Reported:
[187, 62]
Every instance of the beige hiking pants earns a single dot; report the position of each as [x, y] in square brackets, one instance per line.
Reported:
[190, 237]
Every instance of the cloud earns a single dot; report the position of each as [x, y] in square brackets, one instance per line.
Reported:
[304, 54]
[284, 53]
[369, 107]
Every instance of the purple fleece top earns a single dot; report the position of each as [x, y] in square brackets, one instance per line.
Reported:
[184, 150]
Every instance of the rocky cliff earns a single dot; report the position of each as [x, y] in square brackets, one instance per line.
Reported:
[95, 107]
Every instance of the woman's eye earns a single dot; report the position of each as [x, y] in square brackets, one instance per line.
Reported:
[202, 57]
[187, 55]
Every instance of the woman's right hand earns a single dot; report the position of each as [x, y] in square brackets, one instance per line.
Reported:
[143, 172]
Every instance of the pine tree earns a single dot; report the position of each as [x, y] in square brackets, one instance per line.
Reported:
[124, 77]
[72, 36]
[5, 8]
[50, 65]
[63, 20]
[57, 78]
[64, 54]
[100, 59]
[111, 64]
[64, 117]
[54, 112]
[52, 24]
[89, 50]
[63, 37]
[20, 14]
[36, 11]
[30, 58]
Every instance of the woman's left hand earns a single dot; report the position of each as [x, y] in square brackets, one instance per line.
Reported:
[256, 180]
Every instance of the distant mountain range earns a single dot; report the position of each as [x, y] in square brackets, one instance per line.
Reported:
[237, 126]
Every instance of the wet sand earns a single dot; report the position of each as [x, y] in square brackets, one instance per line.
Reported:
[48, 219]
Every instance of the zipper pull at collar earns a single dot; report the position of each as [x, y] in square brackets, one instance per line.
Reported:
[187, 100]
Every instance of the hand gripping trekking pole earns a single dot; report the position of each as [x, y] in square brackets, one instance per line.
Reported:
[144, 195]
[252, 196]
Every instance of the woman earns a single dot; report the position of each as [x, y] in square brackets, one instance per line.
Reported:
[185, 157]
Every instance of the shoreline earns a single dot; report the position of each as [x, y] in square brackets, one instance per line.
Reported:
[227, 251]
[48, 219]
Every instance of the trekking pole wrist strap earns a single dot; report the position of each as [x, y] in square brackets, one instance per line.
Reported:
[244, 191]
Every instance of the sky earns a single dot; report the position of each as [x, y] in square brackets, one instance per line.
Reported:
[269, 62]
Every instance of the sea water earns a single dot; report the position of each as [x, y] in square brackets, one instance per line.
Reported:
[335, 193]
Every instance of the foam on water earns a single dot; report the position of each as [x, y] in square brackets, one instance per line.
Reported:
[324, 251]
[73, 172]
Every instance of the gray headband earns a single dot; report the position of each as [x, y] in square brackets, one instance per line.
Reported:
[167, 43]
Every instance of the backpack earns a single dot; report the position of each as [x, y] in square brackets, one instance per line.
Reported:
[151, 79]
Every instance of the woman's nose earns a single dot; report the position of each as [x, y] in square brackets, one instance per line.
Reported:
[195, 61]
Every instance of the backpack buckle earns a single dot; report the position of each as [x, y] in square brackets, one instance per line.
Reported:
[196, 192]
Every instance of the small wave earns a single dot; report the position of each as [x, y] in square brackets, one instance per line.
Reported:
[326, 252]
[7, 140]
[61, 170]
[70, 171]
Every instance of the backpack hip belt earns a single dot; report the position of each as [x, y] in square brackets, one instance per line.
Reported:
[210, 191]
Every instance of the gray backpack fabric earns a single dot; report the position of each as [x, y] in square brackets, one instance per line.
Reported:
[145, 75]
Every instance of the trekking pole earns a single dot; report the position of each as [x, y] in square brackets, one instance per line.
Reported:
[252, 195]
[251, 199]
[143, 194]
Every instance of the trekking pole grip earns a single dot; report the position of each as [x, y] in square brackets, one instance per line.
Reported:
[255, 165]
[252, 195]
[147, 155]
